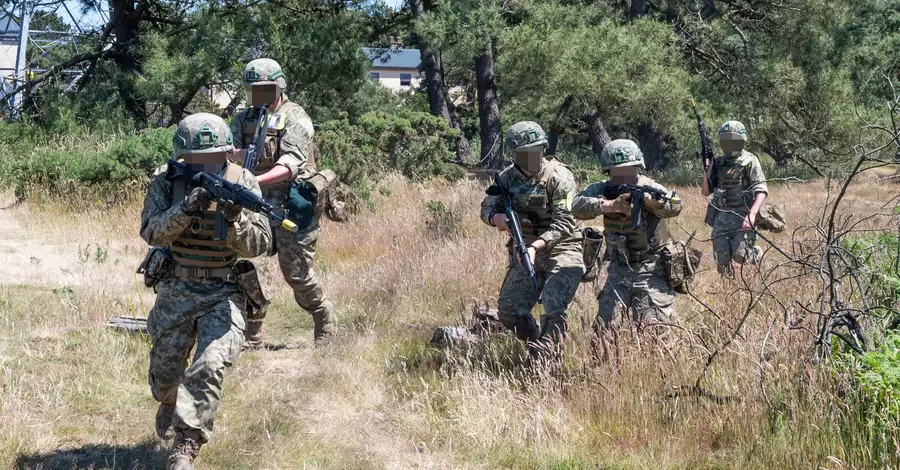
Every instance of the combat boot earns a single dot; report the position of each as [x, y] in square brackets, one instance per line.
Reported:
[253, 336]
[184, 451]
[323, 320]
[164, 421]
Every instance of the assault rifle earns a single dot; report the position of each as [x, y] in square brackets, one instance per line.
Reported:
[223, 191]
[251, 159]
[706, 150]
[612, 191]
[515, 230]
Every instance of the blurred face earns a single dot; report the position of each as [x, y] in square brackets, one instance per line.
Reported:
[732, 145]
[262, 95]
[205, 162]
[529, 161]
[623, 174]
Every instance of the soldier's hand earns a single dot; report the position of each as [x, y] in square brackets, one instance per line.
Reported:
[749, 222]
[499, 221]
[232, 211]
[197, 201]
[622, 204]
[654, 204]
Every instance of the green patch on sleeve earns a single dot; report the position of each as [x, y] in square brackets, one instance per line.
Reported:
[567, 202]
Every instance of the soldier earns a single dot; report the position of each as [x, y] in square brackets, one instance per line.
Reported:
[739, 190]
[199, 302]
[286, 157]
[637, 280]
[541, 191]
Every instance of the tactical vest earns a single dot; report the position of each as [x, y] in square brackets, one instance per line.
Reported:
[533, 202]
[731, 176]
[646, 239]
[195, 246]
[276, 122]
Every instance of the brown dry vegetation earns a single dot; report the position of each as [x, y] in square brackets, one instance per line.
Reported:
[74, 394]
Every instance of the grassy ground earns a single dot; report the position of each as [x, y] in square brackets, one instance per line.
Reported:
[74, 395]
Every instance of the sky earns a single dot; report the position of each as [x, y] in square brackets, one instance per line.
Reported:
[93, 19]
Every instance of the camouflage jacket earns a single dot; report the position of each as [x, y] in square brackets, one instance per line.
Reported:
[553, 212]
[587, 204]
[291, 149]
[162, 219]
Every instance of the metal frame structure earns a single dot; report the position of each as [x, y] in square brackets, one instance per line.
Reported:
[15, 20]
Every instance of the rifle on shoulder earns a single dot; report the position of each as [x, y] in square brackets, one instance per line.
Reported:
[515, 230]
[223, 191]
[612, 191]
[706, 150]
[251, 159]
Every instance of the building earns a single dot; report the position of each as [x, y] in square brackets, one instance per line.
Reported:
[9, 50]
[394, 68]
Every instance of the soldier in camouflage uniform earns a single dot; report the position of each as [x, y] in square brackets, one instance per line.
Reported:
[637, 281]
[739, 190]
[287, 157]
[541, 191]
[200, 303]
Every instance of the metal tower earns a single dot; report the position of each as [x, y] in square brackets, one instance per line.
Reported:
[17, 36]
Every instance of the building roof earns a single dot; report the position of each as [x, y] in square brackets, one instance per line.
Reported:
[383, 58]
[8, 25]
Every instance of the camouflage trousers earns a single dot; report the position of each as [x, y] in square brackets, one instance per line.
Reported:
[558, 272]
[297, 260]
[639, 290]
[208, 314]
[731, 242]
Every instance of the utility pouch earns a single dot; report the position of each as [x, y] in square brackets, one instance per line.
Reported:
[681, 262]
[592, 246]
[157, 266]
[258, 295]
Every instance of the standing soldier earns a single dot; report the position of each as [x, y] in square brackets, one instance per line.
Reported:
[541, 191]
[739, 189]
[199, 301]
[637, 280]
[285, 157]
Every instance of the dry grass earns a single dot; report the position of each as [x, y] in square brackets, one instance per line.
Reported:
[74, 395]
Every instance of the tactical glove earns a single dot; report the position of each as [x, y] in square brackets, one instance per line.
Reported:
[653, 204]
[197, 201]
[232, 211]
[622, 204]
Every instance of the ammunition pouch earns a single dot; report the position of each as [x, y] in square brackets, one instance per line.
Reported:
[713, 206]
[592, 246]
[157, 266]
[258, 295]
[682, 263]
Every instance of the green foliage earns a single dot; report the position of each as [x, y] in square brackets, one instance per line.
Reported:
[52, 161]
[418, 145]
[879, 259]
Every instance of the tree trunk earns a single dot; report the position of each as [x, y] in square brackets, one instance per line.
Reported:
[438, 101]
[488, 109]
[638, 8]
[656, 146]
[597, 131]
[177, 108]
[125, 17]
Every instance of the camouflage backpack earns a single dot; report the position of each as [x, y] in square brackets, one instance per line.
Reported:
[682, 264]
[771, 218]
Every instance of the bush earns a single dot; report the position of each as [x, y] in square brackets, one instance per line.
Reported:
[416, 144]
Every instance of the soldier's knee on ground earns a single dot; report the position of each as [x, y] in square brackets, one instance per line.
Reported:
[524, 327]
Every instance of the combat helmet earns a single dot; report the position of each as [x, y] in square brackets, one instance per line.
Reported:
[621, 152]
[264, 72]
[732, 137]
[733, 130]
[526, 143]
[202, 133]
